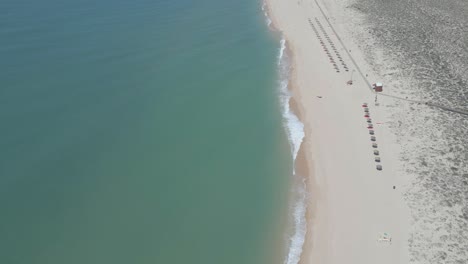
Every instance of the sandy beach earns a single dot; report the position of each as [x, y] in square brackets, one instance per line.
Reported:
[350, 204]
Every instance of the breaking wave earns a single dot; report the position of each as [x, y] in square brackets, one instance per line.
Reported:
[295, 131]
[294, 127]
[265, 13]
[300, 226]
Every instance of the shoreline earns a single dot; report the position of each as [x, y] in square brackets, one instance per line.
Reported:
[330, 237]
[300, 165]
[303, 163]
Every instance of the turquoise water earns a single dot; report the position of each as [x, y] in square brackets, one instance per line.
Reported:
[140, 132]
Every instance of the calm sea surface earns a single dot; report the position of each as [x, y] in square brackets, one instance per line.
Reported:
[140, 132]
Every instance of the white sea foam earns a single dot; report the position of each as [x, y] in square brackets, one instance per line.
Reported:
[268, 20]
[294, 127]
[295, 131]
[300, 227]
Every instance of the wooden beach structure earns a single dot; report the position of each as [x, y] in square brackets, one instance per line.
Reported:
[378, 87]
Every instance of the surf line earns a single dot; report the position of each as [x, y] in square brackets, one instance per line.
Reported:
[295, 132]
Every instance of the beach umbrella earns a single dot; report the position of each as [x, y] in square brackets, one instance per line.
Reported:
[369, 120]
[377, 159]
[372, 138]
[374, 145]
[378, 167]
[371, 132]
[376, 152]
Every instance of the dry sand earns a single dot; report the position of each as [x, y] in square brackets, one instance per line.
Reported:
[350, 203]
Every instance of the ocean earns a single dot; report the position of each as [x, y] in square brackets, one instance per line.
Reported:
[144, 132]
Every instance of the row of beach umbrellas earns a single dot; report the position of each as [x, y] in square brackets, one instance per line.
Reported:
[370, 126]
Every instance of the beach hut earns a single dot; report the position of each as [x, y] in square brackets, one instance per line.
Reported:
[372, 138]
[378, 87]
[376, 152]
[374, 145]
[378, 167]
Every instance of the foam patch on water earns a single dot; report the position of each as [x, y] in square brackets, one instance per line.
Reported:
[265, 13]
[300, 227]
[294, 127]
